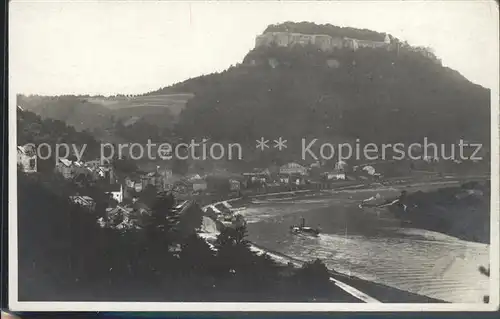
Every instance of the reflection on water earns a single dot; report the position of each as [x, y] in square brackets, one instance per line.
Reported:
[372, 245]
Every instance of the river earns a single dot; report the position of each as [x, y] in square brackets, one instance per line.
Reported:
[371, 244]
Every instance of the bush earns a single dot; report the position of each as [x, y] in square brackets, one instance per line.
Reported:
[314, 278]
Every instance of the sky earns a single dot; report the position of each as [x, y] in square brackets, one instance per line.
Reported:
[133, 47]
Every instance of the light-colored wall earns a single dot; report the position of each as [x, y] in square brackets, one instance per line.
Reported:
[118, 196]
[199, 186]
[323, 41]
[26, 162]
[293, 169]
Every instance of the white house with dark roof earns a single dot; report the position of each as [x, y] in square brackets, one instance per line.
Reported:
[293, 169]
[115, 191]
[26, 158]
[86, 202]
[334, 175]
[199, 184]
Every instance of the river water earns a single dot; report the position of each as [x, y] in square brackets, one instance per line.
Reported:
[371, 244]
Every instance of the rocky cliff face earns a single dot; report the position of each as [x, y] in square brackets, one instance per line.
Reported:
[373, 94]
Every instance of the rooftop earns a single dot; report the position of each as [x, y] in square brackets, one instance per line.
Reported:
[112, 188]
[65, 162]
[27, 150]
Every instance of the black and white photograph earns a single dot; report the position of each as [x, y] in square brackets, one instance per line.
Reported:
[253, 155]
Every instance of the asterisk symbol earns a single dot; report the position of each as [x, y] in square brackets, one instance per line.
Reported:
[262, 143]
[280, 143]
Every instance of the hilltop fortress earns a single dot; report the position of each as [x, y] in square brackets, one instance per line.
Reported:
[323, 41]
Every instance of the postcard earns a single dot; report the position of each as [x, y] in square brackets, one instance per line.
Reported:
[253, 156]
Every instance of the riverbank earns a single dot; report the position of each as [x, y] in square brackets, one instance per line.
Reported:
[363, 290]
[271, 233]
[400, 182]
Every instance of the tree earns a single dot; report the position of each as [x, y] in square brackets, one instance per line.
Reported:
[162, 224]
[232, 237]
[194, 250]
[233, 253]
[190, 220]
[313, 278]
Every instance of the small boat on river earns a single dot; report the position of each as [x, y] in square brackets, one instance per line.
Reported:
[304, 230]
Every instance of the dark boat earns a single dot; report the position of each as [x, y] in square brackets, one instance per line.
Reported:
[305, 230]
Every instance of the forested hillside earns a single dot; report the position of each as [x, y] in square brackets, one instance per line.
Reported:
[376, 95]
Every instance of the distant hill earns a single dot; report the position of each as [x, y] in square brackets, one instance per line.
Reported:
[90, 113]
[75, 111]
[174, 102]
[31, 128]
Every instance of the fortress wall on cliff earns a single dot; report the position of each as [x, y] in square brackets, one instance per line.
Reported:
[323, 41]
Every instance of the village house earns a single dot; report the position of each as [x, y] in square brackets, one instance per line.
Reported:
[109, 173]
[115, 191]
[83, 174]
[258, 175]
[332, 63]
[130, 181]
[181, 187]
[295, 179]
[234, 185]
[65, 167]
[341, 166]
[120, 216]
[284, 179]
[102, 170]
[85, 201]
[168, 177]
[368, 171]
[132, 184]
[199, 184]
[141, 208]
[161, 179]
[72, 170]
[27, 159]
[138, 187]
[255, 179]
[293, 168]
[153, 178]
[118, 210]
[129, 188]
[334, 175]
